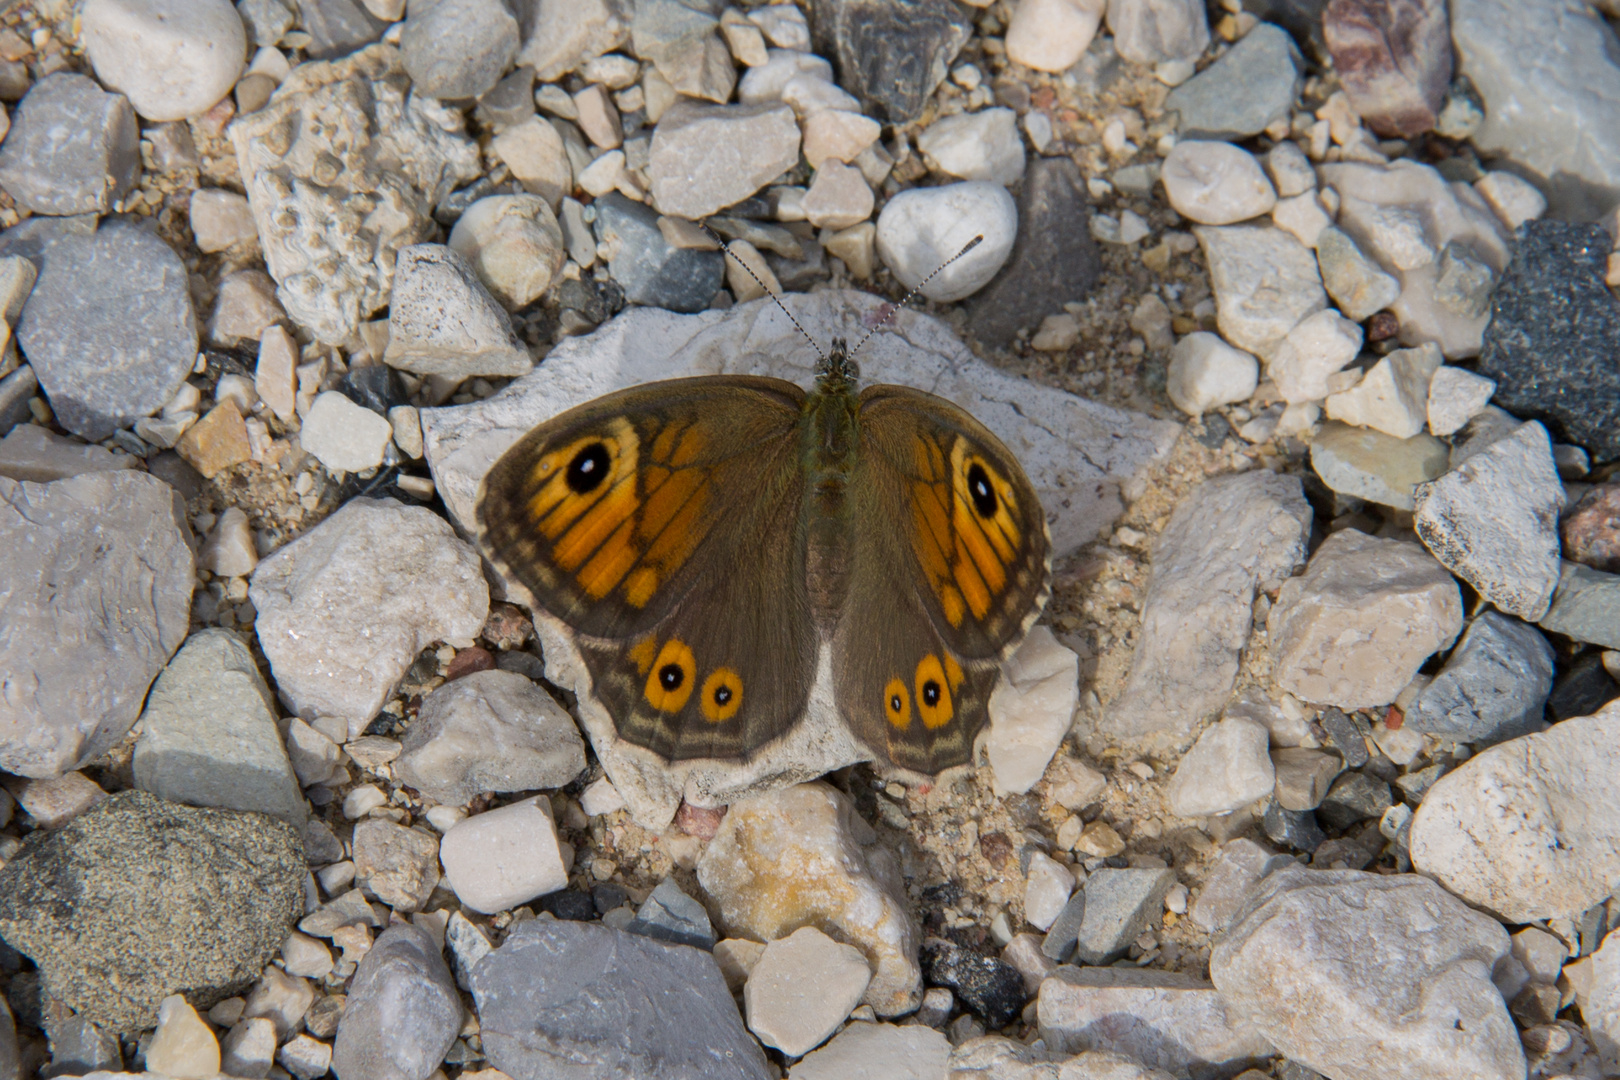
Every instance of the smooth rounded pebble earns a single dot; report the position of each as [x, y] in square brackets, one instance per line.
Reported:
[504, 857]
[171, 58]
[514, 244]
[1206, 372]
[1051, 35]
[1216, 183]
[920, 229]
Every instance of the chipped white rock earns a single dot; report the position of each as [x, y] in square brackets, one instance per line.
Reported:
[442, 321]
[839, 197]
[342, 169]
[171, 58]
[345, 608]
[1206, 372]
[1265, 283]
[182, 1046]
[1356, 626]
[1394, 395]
[837, 135]
[801, 857]
[504, 857]
[783, 24]
[1514, 198]
[1227, 769]
[1229, 537]
[1077, 454]
[1370, 465]
[1362, 976]
[1031, 709]
[865, 1051]
[343, 436]
[1356, 283]
[1163, 1019]
[1048, 884]
[766, 83]
[1303, 217]
[706, 157]
[921, 228]
[1456, 396]
[1233, 874]
[1526, 828]
[537, 157]
[1215, 183]
[1290, 170]
[1322, 343]
[982, 145]
[600, 797]
[802, 987]
[514, 244]
[1052, 35]
[1441, 241]
[220, 218]
[1493, 520]
[566, 35]
[489, 731]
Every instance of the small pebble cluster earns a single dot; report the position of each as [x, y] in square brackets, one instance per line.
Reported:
[1301, 317]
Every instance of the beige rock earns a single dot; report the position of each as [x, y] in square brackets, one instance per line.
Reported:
[837, 135]
[1356, 626]
[857, 246]
[706, 157]
[217, 441]
[1226, 769]
[1206, 372]
[1394, 395]
[1371, 465]
[245, 307]
[996, 1057]
[249, 1049]
[1215, 183]
[183, 1046]
[514, 245]
[37, 454]
[1047, 887]
[1052, 35]
[802, 987]
[344, 436]
[52, 803]
[399, 866]
[1320, 345]
[220, 219]
[745, 40]
[744, 285]
[535, 153]
[839, 197]
[737, 957]
[1302, 216]
[1265, 283]
[802, 857]
[865, 1051]
[275, 379]
[1074, 785]
[1100, 841]
[1456, 396]
[1031, 710]
[229, 551]
[1514, 199]
[1304, 776]
[598, 118]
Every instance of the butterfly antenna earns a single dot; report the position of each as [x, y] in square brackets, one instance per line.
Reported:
[904, 300]
[727, 249]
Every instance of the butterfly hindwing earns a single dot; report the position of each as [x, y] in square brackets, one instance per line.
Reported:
[661, 524]
[950, 568]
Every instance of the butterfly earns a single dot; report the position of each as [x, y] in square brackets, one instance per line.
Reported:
[714, 543]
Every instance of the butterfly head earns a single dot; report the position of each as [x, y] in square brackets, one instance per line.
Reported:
[838, 366]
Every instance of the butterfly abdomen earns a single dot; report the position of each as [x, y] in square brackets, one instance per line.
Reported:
[829, 448]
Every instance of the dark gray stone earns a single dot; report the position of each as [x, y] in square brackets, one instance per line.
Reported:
[1494, 685]
[78, 1047]
[140, 898]
[509, 102]
[987, 985]
[891, 54]
[15, 391]
[1120, 904]
[1553, 343]
[1354, 797]
[73, 148]
[1054, 260]
[338, 27]
[1345, 737]
[458, 48]
[650, 271]
[670, 915]
[403, 1011]
[1296, 828]
[1242, 92]
[1582, 690]
[1065, 929]
[579, 1001]
[34, 238]
[109, 328]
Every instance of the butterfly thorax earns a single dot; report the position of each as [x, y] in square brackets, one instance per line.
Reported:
[830, 445]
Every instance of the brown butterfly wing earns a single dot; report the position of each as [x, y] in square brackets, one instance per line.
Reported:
[661, 523]
[950, 569]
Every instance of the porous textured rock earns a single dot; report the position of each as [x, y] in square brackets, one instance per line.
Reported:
[1363, 976]
[1403, 607]
[342, 168]
[345, 608]
[1527, 829]
[141, 898]
[1204, 578]
[803, 857]
[95, 596]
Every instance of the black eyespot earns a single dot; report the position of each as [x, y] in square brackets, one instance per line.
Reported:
[984, 496]
[670, 677]
[895, 704]
[930, 694]
[588, 469]
[722, 695]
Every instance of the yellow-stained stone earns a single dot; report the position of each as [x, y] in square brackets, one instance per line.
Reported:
[217, 441]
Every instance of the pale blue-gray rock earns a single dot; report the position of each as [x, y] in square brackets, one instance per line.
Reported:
[338, 27]
[109, 328]
[1586, 606]
[458, 48]
[140, 898]
[78, 1047]
[15, 391]
[647, 268]
[1119, 906]
[33, 238]
[468, 945]
[1494, 685]
[209, 736]
[442, 321]
[95, 596]
[1065, 929]
[1254, 84]
[73, 148]
[668, 914]
[579, 1001]
[403, 1010]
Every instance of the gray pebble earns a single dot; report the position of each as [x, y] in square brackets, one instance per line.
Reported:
[73, 148]
[458, 48]
[644, 264]
[1255, 83]
[670, 915]
[1494, 685]
[403, 1011]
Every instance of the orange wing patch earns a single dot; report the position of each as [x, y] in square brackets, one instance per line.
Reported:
[965, 533]
[934, 701]
[897, 704]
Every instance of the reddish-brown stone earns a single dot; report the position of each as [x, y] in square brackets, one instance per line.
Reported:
[507, 627]
[1592, 529]
[699, 821]
[468, 661]
[1393, 58]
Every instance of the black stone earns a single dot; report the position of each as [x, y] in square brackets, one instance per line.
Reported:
[569, 904]
[650, 271]
[1346, 737]
[1296, 828]
[1301, 18]
[1584, 689]
[891, 54]
[987, 985]
[1354, 797]
[609, 895]
[376, 386]
[1217, 429]
[1054, 261]
[594, 301]
[1553, 343]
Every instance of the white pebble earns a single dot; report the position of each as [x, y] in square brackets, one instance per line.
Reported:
[784, 1010]
[1514, 199]
[504, 857]
[920, 229]
[229, 550]
[1394, 395]
[172, 58]
[1051, 35]
[977, 146]
[362, 800]
[1047, 888]
[1320, 345]
[1205, 372]
[601, 797]
[1302, 216]
[1216, 183]
[220, 218]
[1290, 170]
[343, 436]
[1456, 396]
[1031, 710]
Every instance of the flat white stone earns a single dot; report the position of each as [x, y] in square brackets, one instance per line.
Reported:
[1226, 769]
[706, 157]
[1216, 183]
[1526, 828]
[1394, 395]
[183, 1046]
[171, 58]
[877, 1052]
[1265, 282]
[765, 83]
[839, 197]
[1370, 465]
[803, 986]
[343, 436]
[1456, 396]
[921, 228]
[837, 134]
[982, 145]
[1031, 710]
[504, 857]
[1052, 35]
[1047, 887]
[1321, 344]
